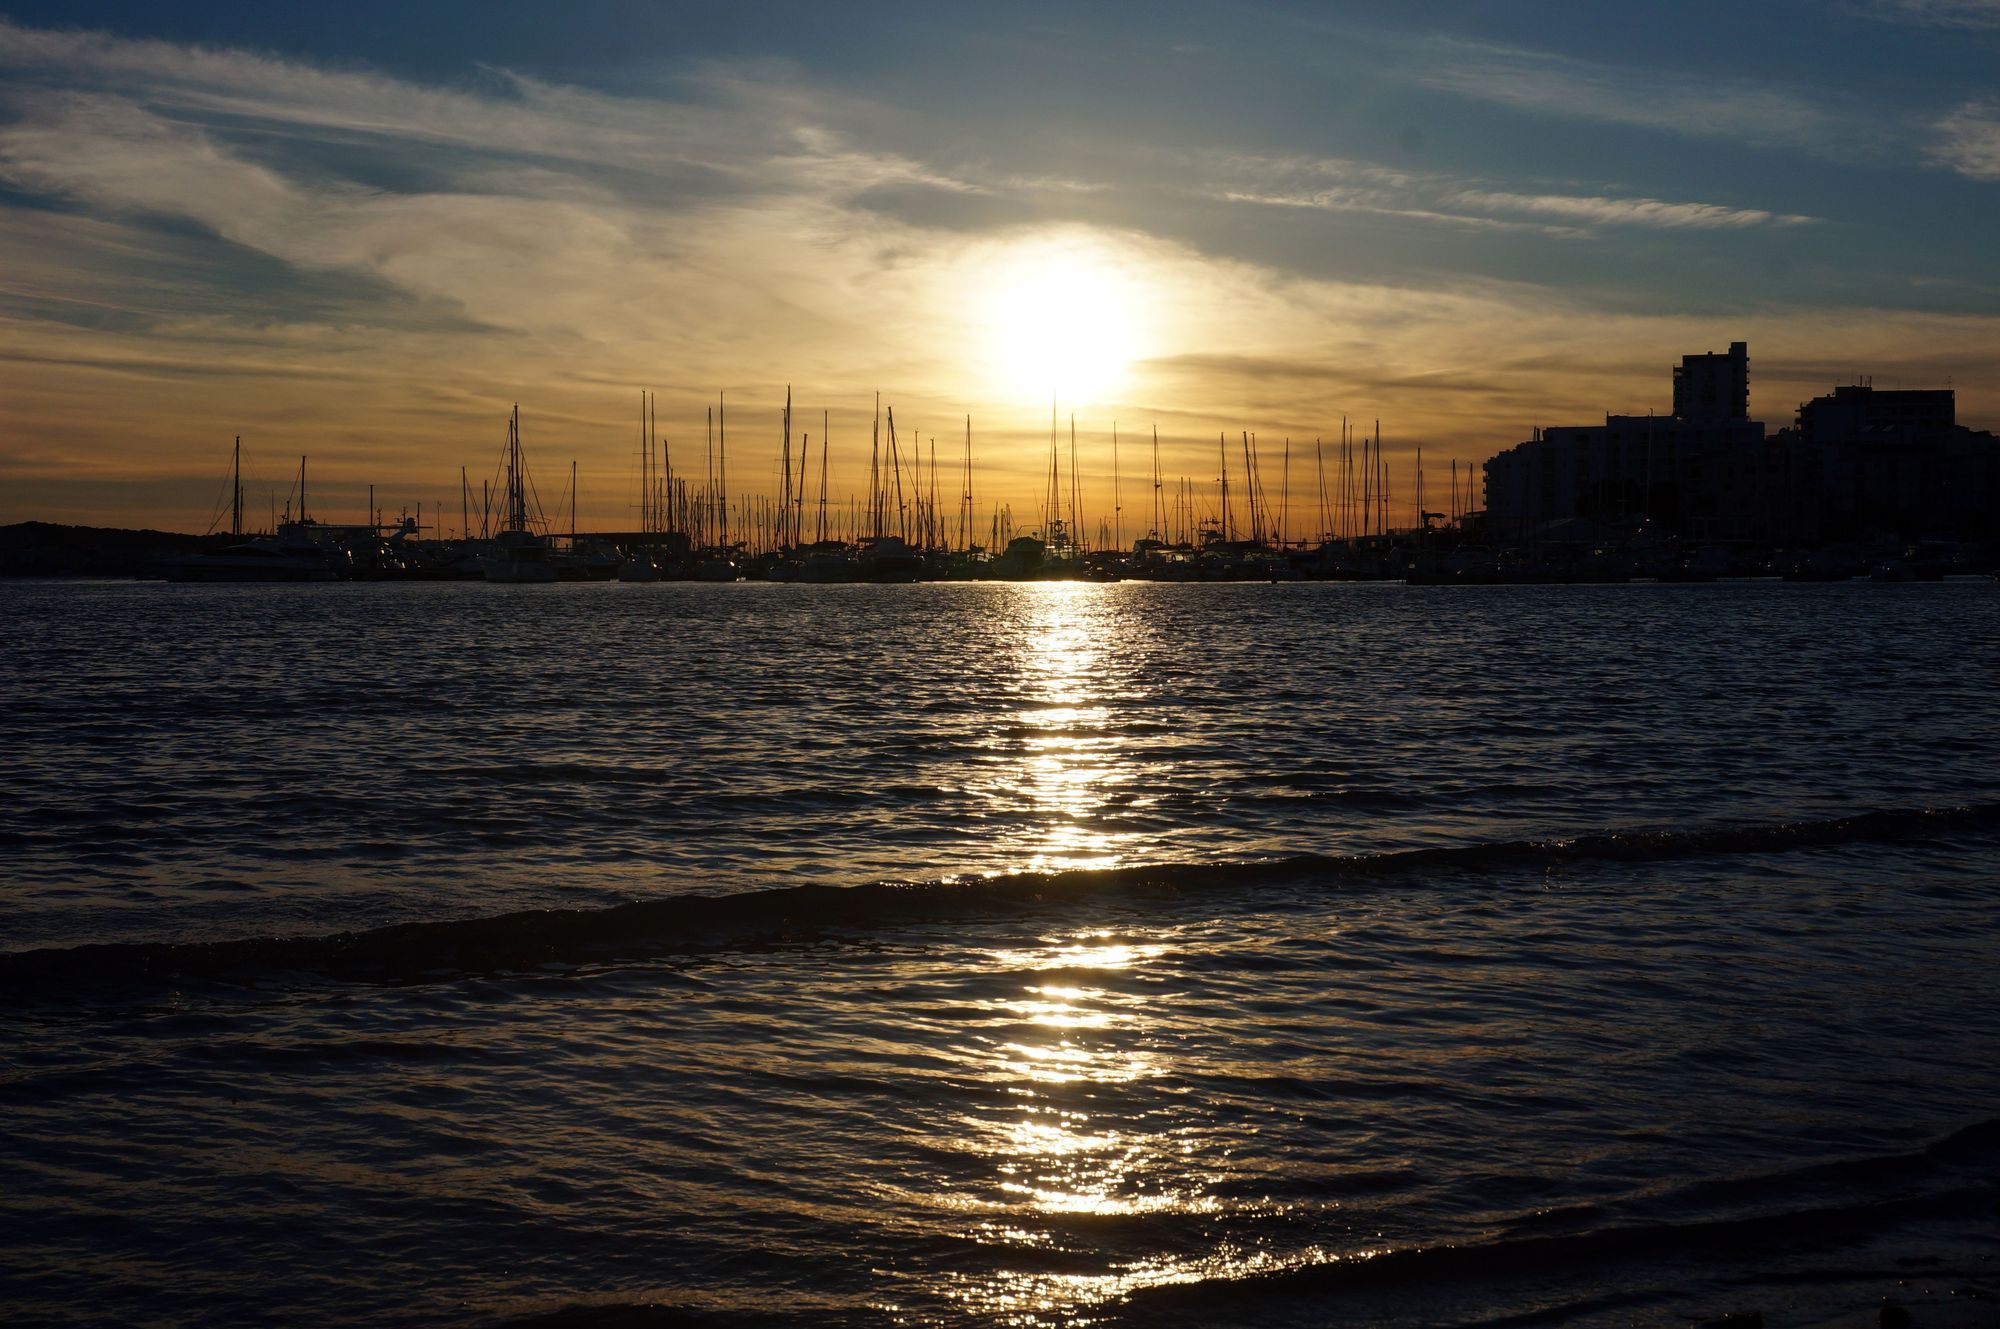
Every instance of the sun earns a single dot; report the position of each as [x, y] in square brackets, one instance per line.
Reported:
[1063, 317]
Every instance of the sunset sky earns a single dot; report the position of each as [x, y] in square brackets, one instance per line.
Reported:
[363, 231]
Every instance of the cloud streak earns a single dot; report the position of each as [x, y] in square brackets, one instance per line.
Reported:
[1963, 14]
[1341, 186]
[1969, 140]
[1612, 211]
[1673, 102]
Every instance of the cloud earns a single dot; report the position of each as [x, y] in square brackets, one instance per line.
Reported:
[1933, 13]
[1695, 105]
[1969, 140]
[1630, 211]
[1338, 185]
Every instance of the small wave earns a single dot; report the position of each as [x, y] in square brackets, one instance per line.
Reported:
[414, 952]
[1951, 1178]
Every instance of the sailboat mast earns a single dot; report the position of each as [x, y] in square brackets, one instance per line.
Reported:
[785, 461]
[875, 472]
[1052, 501]
[1319, 471]
[1382, 489]
[517, 484]
[1257, 531]
[965, 500]
[1159, 512]
[1285, 494]
[236, 489]
[1075, 500]
[1117, 508]
[1222, 445]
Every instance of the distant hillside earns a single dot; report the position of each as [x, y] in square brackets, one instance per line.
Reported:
[45, 549]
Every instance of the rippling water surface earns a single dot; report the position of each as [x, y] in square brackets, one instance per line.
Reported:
[1022, 954]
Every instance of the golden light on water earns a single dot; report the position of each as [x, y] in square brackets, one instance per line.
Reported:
[1063, 315]
[1081, 1037]
[1073, 767]
[1077, 1038]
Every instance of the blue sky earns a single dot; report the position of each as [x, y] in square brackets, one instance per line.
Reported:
[355, 230]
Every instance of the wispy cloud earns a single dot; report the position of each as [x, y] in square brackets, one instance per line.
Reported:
[1658, 99]
[1339, 185]
[1933, 13]
[1612, 211]
[1969, 140]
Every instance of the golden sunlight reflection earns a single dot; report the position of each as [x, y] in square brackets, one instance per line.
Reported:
[1062, 314]
[1029, 1299]
[1066, 768]
[1097, 1128]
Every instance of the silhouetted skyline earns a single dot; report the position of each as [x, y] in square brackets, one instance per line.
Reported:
[363, 239]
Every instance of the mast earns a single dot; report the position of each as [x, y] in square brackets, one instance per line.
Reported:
[785, 461]
[875, 472]
[1285, 494]
[1222, 444]
[965, 518]
[1117, 508]
[517, 482]
[1319, 471]
[824, 426]
[236, 489]
[1075, 497]
[896, 475]
[1250, 490]
[1052, 503]
[722, 463]
[572, 500]
[1382, 490]
[799, 489]
[1420, 489]
[663, 472]
[464, 507]
[302, 490]
[1159, 511]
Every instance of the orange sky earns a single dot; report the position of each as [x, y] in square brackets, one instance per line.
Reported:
[369, 269]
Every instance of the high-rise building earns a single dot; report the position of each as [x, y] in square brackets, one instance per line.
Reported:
[1714, 386]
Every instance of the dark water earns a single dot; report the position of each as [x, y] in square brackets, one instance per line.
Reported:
[1034, 955]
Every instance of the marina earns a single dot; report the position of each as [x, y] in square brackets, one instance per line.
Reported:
[1349, 521]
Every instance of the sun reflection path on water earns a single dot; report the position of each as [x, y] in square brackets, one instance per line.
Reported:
[1099, 1143]
[1069, 766]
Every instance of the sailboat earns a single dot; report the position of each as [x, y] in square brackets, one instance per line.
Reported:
[640, 567]
[293, 553]
[517, 553]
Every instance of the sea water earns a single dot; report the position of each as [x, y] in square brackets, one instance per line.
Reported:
[1031, 954]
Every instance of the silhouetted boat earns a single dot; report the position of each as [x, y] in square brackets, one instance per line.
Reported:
[300, 550]
[638, 569]
[827, 563]
[517, 554]
[891, 559]
[291, 555]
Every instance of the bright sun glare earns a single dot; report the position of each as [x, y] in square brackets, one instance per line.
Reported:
[1062, 318]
